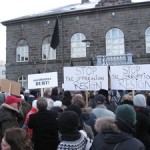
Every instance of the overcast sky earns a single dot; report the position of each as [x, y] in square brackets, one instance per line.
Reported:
[10, 9]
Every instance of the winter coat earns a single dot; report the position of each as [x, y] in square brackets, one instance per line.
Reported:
[25, 126]
[143, 125]
[110, 137]
[102, 111]
[8, 118]
[45, 130]
[89, 118]
[24, 109]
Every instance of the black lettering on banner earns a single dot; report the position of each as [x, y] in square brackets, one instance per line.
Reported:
[133, 78]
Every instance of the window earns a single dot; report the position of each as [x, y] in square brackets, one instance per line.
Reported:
[22, 51]
[147, 39]
[115, 42]
[48, 53]
[3, 72]
[78, 48]
[23, 81]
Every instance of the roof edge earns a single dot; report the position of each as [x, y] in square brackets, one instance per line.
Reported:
[104, 8]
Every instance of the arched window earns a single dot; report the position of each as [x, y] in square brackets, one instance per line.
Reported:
[22, 51]
[48, 53]
[147, 39]
[115, 42]
[23, 81]
[78, 48]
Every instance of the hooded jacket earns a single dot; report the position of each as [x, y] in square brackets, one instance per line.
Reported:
[110, 137]
[8, 117]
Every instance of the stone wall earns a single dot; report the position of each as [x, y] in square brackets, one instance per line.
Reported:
[93, 23]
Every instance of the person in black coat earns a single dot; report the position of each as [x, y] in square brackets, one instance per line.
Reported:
[143, 120]
[44, 125]
[116, 133]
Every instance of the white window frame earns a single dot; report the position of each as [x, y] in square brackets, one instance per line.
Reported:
[23, 81]
[48, 53]
[147, 40]
[78, 48]
[115, 42]
[22, 51]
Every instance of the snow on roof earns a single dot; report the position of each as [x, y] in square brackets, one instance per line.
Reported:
[68, 8]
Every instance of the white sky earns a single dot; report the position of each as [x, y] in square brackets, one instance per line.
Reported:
[10, 9]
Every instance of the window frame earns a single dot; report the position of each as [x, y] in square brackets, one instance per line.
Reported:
[78, 48]
[115, 38]
[147, 40]
[23, 82]
[22, 51]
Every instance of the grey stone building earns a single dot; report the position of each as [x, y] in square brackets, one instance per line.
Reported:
[118, 32]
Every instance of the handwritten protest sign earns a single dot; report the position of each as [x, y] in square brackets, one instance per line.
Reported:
[44, 80]
[130, 77]
[10, 87]
[85, 78]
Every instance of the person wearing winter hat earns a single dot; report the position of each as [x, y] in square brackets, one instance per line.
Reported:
[126, 118]
[111, 137]
[72, 139]
[82, 124]
[9, 113]
[143, 119]
[100, 110]
[139, 100]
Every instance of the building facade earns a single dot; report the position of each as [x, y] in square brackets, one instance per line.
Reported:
[118, 32]
[2, 70]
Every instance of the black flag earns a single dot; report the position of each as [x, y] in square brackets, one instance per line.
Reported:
[55, 36]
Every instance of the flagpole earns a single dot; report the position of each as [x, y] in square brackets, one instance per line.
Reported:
[54, 41]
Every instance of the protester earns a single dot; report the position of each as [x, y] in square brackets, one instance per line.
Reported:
[82, 125]
[101, 110]
[116, 133]
[15, 139]
[9, 114]
[72, 139]
[87, 116]
[110, 105]
[32, 111]
[44, 125]
[143, 120]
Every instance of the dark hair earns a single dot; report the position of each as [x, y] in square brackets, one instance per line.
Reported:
[18, 139]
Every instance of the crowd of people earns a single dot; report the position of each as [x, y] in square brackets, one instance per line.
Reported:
[67, 120]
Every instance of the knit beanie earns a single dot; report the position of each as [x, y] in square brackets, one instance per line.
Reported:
[74, 108]
[139, 100]
[68, 122]
[127, 114]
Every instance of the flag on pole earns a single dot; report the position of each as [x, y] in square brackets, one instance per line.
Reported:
[55, 36]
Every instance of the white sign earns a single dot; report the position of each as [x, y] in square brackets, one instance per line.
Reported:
[85, 78]
[43, 80]
[130, 77]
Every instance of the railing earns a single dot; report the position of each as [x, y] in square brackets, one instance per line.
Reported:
[125, 59]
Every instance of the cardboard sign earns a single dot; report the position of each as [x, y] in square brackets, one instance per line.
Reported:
[43, 80]
[10, 87]
[85, 78]
[130, 77]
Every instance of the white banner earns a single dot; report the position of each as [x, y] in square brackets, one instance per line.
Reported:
[130, 77]
[43, 80]
[85, 78]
